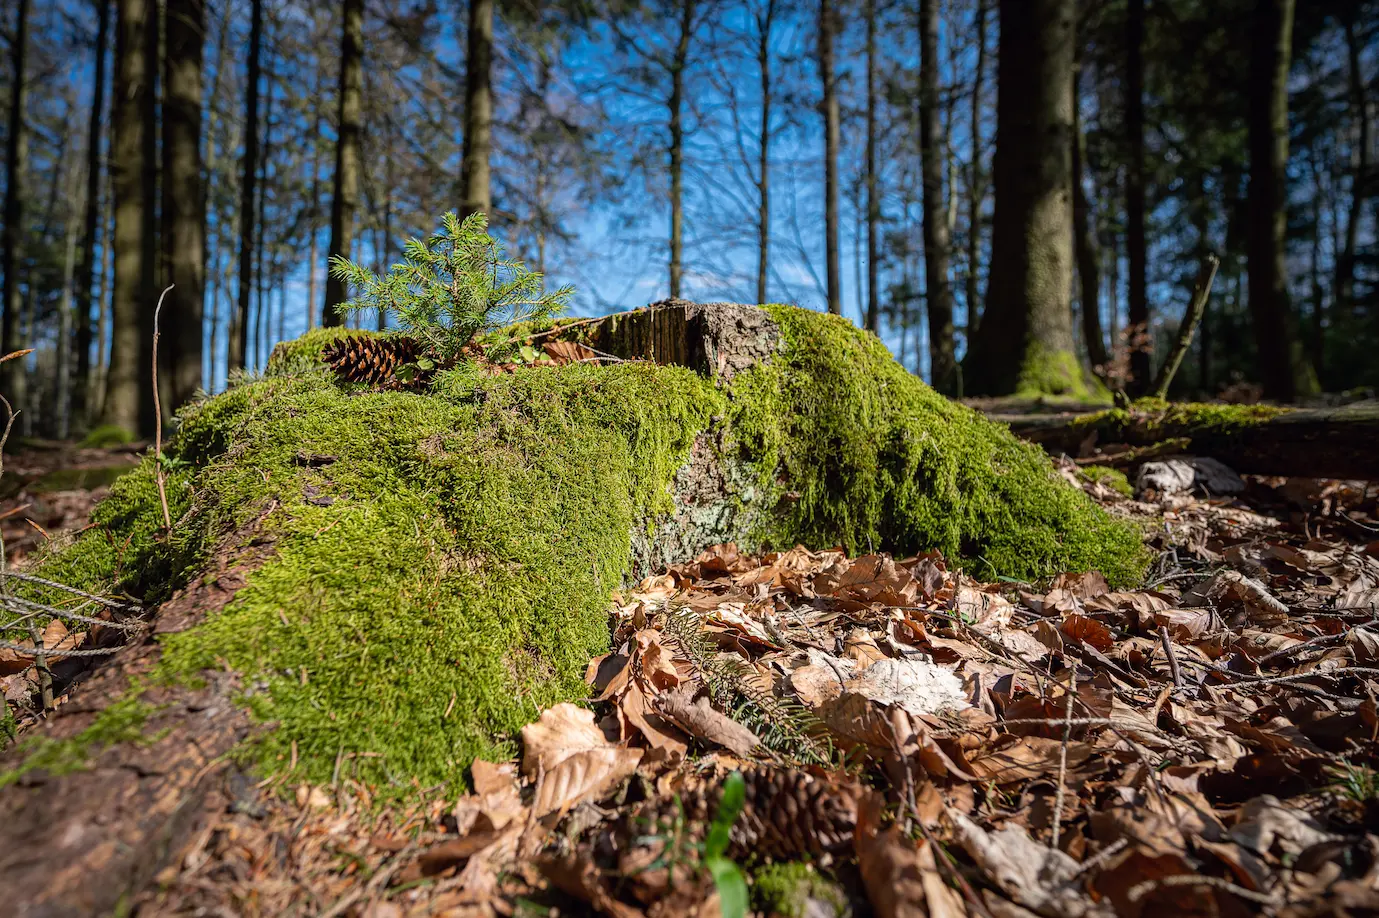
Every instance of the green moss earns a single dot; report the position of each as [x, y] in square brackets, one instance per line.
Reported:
[106, 436]
[863, 453]
[303, 354]
[88, 478]
[1151, 420]
[784, 890]
[121, 722]
[1113, 478]
[1055, 373]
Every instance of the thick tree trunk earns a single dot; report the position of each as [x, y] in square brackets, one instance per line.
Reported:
[832, 141]
[1088, 268]
[1136, 246]
[1271, 45]
[128, 399]
[976, 183]
[478, 111]
[346, 198]
[677, 145]
[1311, 443]
[943, 365]
[239, 319]
[1025, 341]
[16, 165]
[86, 305]
[764, 22]
[1345, 261]
[184, 218]
[873, 313]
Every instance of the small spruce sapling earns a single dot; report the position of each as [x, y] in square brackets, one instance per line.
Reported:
[450, 288]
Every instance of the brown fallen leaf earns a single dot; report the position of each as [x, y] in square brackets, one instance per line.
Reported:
[1032, 875]
[581, 776]
[563, 352]
[562, 731]
[700, 719]
[576, 875]
[901, 878]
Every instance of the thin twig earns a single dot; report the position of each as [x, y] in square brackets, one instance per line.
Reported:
[1063, 758]
[1172, 657]
[158, 417]
[1140, 890]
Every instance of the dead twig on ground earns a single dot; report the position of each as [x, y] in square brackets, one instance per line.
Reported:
[158, 417]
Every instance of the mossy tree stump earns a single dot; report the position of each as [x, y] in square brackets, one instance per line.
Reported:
[386, 585]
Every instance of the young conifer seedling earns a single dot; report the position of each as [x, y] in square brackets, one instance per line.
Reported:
[447, 290]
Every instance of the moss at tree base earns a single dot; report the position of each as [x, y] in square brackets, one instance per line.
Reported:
[442, 563]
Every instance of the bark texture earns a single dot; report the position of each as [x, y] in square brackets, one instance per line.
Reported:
[478, 111]
[346, 199]
[183, 212]
[678, 63]
[1136, 255]
[86, 274]
[16, 164]
[1025, 339]
[239, 320]
[1088, 268]
[832, 141]
[943, 364]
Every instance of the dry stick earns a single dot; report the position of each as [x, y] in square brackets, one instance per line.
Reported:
[1196, 307]
[45, 675]
[1063, 757]
[1172, 657]
[158, 416]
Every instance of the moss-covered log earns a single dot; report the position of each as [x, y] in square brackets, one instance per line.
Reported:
[1252, 439]
[383, 585]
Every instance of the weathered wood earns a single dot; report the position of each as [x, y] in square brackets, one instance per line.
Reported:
[1313, 442]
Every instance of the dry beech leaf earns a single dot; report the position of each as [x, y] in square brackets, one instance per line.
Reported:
[1029, 873]
[701, 720]
[561, 732]
[893, 871]
[582, 776]
[577, 876]
[1087, 631]
[563, 352]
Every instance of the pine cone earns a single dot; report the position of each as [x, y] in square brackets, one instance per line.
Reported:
[788, 814]
[369, 360]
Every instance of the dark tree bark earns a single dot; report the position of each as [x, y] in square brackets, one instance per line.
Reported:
[346, 198]
[183, 213]
[943, 365]
[16, 165]
[1135, 243]
[678, 63]
[1088, 268]
[128, 395]
[1271, 44]
[832, 141]
[1025, 341]
[239, 320]
[86, 305]
[873, 315]
[478, 111]
[765, 19]
[1345, 261]
[976, 184]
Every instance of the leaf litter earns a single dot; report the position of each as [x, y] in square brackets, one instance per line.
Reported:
[930, 743]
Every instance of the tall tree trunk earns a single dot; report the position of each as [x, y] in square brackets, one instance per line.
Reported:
[764, 23]
[1345, 261]
[262, 325]
[478, 110]
[1268, 138]
[215, 245]
[1317, 340]
[184, 218]
[66, 317]
[943, 365]
[346, 197]
[128, 401]
[1025, 343]
[81, 384]
[1088, 270]
[677, 145]
[239, 319]
[1141, 369]
[976, 184]
[832, 141]
[16, 167]
[315, 217]
[873, 318]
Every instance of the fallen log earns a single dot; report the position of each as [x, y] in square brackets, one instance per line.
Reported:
[1252, 439]
[381, 586]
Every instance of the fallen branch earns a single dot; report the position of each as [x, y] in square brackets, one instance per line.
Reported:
[1196, 308]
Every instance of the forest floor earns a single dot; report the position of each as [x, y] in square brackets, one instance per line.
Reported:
[906, 735]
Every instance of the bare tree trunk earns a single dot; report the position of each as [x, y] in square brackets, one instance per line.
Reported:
[184, 217]
[1141, 370]
[1088, 270]
[478, 110]
[1345, 261]
[1268, 137]
[65, 319]
[1025, 343]
[832, 141]
[214, 247]
[81, 389]
[128, 401]
[239, 319]
[16, 165]
[873, 315]
[677, 146]
[764, 22]
[976, 180]
[346, 198]
[263, 328]
[315, 206]
[943, 364]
